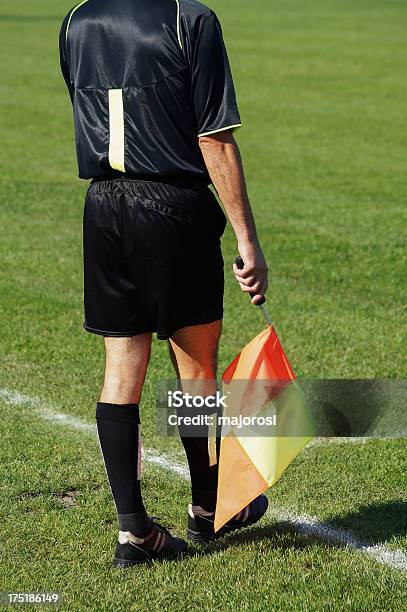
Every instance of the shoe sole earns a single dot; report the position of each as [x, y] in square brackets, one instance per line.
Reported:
[125, 563]
[200, 537]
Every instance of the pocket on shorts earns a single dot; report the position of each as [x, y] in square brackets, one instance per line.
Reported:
[168, 209]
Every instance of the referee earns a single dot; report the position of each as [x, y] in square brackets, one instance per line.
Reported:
[154, 111]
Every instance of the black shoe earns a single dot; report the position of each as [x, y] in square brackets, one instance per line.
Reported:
[159, 543]
[201, 522]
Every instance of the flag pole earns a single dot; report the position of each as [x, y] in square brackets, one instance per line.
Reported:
[265, 314]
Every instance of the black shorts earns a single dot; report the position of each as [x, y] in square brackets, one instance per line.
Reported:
[152, 257]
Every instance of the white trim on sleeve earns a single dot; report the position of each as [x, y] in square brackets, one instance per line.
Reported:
[228, 127]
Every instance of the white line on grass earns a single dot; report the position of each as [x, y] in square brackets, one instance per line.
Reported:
[311, 526]
[166, 463]
[307, 525]
[341, 440]
[46, 412]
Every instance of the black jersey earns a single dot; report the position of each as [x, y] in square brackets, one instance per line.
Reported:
[146, 79]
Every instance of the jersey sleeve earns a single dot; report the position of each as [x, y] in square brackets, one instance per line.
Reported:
[63, 58]
[213, 91]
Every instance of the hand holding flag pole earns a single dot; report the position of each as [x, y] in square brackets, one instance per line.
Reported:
[240, 264]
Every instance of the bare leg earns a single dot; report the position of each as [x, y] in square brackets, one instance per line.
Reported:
[126, 366]
[194, 355]
[118, 425]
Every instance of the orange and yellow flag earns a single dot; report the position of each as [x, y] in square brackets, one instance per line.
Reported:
[259, 382]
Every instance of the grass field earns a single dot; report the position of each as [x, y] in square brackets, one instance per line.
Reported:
[321, 87]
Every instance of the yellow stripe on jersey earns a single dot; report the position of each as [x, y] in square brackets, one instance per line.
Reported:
[179, 24]
[116, 129]
[71, 15]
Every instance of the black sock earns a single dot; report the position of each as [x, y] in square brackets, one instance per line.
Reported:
[204, 479]
[118, 427]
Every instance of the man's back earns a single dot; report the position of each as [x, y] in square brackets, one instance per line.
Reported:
[146, 78]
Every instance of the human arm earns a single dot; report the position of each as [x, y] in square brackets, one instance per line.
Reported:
[223, 161]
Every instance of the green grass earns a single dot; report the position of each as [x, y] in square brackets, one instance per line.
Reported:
[67, 548]
[321, 87]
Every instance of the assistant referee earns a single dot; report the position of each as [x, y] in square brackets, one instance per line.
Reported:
[154, 111]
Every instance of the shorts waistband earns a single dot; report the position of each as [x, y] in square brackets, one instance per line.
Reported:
[178, 181]
[172, 188]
